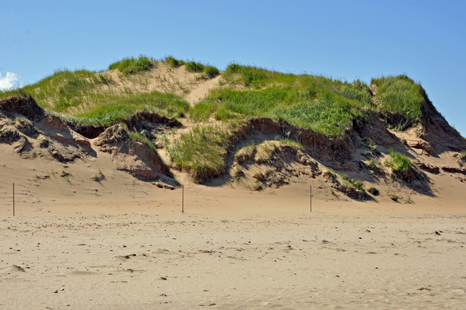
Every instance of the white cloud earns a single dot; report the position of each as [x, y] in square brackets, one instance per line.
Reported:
[8, 81]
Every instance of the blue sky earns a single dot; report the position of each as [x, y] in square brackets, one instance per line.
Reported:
[343, 39]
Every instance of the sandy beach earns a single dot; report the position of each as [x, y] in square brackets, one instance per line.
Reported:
[232, 249]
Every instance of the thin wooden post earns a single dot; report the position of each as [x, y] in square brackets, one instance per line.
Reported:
[13, 199]
[310, 198]
[182, 199]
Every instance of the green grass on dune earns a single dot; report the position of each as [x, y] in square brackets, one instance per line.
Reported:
[203, 110]
[399, 163]
[143, 63]
[401, 95]
[78, 96]
[140, 138]
[173, 62]
[116, 108]
[63, 89]
[322, 104]
[192, 66]
[292, 143]
[133, 65]
[200, 151]
[254, 76]
[209, 71]
[305, 101]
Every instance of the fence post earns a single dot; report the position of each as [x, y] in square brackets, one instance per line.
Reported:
[13, 199]
[310, 198]
[182, 199]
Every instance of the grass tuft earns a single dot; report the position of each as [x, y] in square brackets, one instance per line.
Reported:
[211, 71]
[349, 182]
[173, 62]
[374, 165]
[400, 164]
[259, 176]
[141, 138]
[200, 151]
[133, 65]
[192, 66]
[292, 143]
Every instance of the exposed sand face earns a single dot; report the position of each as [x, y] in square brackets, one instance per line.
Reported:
[162, 78]
[133, 249]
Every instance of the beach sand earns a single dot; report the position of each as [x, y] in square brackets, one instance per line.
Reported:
[72, 247]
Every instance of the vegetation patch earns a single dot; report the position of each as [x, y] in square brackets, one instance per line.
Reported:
[192, 66]
[98, 176]
[357, 90]
[78, 94]
[249, 75]
[259, 176]
[351, 191]
[401, 165]
[203, 110]
[401, 95]
[201, 151]
[117, 108]
[292, 143]
[60, 91]
[173, 62]
[374, 165]
[305, 101]
[209, 71]
[322, 104]
[353, 188]
[349, 182]
[142, 139]
[319, 103]
[133, 65]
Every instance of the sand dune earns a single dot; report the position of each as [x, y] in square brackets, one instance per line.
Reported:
[98, 221]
